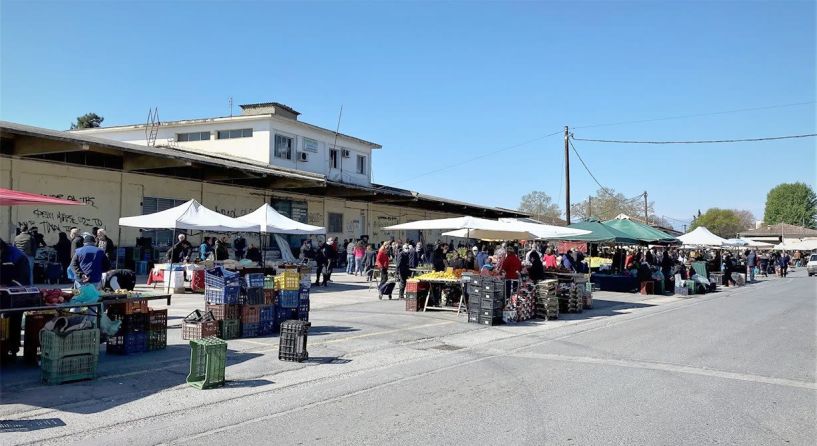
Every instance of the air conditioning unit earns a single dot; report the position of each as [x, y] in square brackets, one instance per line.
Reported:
[303, 156]
[345, 153]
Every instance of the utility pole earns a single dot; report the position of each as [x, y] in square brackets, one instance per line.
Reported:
[567, 176]
[589, 206]
[646, 218]
[685, 229]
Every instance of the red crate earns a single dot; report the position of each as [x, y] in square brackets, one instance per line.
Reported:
[250, 314]
[415, 304]
[270, 296]
[199, 330]
[131, 306]
[414, 286]
[222, 312]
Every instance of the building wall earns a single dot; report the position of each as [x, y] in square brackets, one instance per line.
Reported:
[260, 147]
[112, 194]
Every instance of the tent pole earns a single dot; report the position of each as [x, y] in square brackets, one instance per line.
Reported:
[170, 269]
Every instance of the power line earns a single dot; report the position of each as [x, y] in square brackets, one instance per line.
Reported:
[709, 141]
[696, 115]
[588, 169]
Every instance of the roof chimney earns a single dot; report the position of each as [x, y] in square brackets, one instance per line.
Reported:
[269, 108]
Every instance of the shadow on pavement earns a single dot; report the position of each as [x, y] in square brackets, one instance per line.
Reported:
[120, 380]
[327, 329]
[335, 287]
[247, 383]
[328, 360]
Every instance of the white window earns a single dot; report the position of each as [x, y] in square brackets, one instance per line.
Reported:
[194, 136]
[283, 147]
[361, 164]
[232, 134]
[333, 158]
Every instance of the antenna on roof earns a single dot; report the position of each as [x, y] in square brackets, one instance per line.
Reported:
[230, 101]
[152, 126]
[335, 144]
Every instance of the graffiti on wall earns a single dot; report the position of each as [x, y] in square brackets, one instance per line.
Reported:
[315, 218]
[49, 222]
[87, 199]
[234, 212]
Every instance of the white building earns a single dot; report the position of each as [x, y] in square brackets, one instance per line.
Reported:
[268, 132]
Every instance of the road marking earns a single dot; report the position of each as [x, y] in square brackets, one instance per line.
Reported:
[675, 368]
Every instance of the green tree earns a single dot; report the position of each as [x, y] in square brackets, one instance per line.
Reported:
[792, 203]
[87, 121]
[540, 207]
[725, 223]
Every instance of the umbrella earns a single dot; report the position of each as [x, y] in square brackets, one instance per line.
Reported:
[10, 197]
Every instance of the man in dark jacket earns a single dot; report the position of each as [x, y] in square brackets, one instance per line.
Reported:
[320, 262]
[15, 270]
[119, 279]
[76, 240]
[403, 270]
[25, 243]
[331, 255]
[89, 263]
[104, 243]
[181, 251]
[239, 245]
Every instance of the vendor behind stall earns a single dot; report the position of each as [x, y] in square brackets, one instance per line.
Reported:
[181, 251]
[119, 279]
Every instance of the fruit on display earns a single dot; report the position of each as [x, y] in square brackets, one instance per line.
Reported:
[438, 275]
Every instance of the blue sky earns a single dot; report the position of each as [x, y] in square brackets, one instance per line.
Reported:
[438, 84]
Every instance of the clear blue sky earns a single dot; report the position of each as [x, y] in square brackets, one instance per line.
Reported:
[440, 83]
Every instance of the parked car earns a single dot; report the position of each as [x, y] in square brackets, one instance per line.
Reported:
[811, 266]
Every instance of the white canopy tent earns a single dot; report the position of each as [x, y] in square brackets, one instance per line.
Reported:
[701, 236]
[796, 245]
[543, 231]
[481, 228]
[745, 242]
[190, 215]
[270, 221]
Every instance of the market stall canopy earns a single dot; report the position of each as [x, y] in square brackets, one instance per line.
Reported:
[10, 197]
[598, 232]
[796, 245]
[747, 243]
[271, 222]
[474, 227]
[701, 236]
[641, 231]
[543, 231]
[190, 215]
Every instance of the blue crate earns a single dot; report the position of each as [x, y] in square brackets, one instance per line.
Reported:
[268, 328]
[303, 315]
[304, 306]
[267, 313]
[254, 280]
[249, 330]
[129, 343]
[284, 314]
[222, 296]
[253, 296]
[289, 299]
[304, 294]
[220, 278]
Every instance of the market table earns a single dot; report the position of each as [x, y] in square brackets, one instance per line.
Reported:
[105, 299]
[609, 282]
[441, 283]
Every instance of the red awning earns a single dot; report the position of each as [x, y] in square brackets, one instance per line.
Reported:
[10, 197]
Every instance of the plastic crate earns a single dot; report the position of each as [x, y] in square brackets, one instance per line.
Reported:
[220, 278]
[34, 322]
[250, 314]
[415, 304]
[289, 280]
[254, 280]
[289, 298]
[269, 282]
[303, 306]
[285, 314]
[249, 330]
[157, 318]
[266, 328]
[490, 312]
[229, 328]
[78, 342]
[292, 346]
[4, 327]
[266, 313]
[131, 306]
[270, 296]
[253, 296]
[199, 330]
[473, 317]
[132, 322]
[70, 368]
[490, 320]
[303, 315]
[128, 343]
[304, 294]
[225, 296]
[208, 361]
[20, 297]
[157, 340]
[223, 312]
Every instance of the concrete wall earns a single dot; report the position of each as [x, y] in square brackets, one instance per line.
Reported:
[110, 194]
[260, 146]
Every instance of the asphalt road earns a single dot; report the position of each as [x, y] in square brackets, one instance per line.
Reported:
[735, 367]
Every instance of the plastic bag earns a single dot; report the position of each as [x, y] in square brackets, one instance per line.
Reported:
[88, 294]
[108, 326]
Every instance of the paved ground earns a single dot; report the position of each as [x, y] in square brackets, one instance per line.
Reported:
[732, 367]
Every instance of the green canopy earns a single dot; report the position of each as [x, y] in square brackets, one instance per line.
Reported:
[599, 232]
[640, 231]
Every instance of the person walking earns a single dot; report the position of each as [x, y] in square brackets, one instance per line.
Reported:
[360, 251]
[403, 270]
[784, 264]
[382, 263]
[25, 243]
[320, 262]
[350, 257]
[751, 263]
[89, 263]
[369, 261]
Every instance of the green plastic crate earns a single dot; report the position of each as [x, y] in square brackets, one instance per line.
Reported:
[69, 368]
[269, 282]
[230, 329]
[208, 360]
[79, 342]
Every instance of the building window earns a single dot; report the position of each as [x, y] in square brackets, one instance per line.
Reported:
[361, 164]
[333, 158]
[283, 147]
[150, 205]
[309, 145]
[232, 134]
[335, 223]
[194, 136]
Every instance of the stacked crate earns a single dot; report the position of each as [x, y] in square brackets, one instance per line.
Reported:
[487, 297]
[132, 336]
[416, 293]
[267, 316]
[228, 317]
[303, 304]
[221, 287]
[547, 300]
[250, 320]
[69, 357]
[571, 299]
[270, 292]
[157, 329]
[198, 325]
[253, 292]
